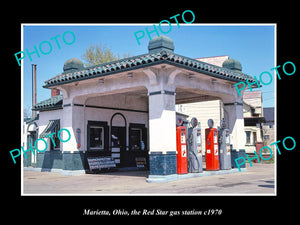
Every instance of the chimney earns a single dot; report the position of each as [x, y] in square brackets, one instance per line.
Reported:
[33, 67]
[54, 92]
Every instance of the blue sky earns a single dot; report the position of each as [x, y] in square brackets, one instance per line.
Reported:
[252, 45]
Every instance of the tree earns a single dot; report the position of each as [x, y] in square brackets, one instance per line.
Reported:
[97, 54]
[26, 111]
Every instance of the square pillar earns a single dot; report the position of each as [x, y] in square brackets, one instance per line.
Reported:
[162, 133]
[67, 123]
[235, 119]
[72, 119]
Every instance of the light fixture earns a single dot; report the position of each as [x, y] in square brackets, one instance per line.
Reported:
[129, 75]
[101, 81]
[214, 81]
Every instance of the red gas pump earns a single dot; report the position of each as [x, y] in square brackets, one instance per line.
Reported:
[181, 150]
[212, 148]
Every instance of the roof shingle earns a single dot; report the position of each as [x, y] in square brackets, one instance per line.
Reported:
[145, 60]
[49, 104]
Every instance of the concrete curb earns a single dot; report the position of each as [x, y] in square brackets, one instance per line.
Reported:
[172, 177]
[62, 172]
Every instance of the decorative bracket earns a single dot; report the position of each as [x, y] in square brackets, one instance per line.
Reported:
[151, 75]
[172, 76]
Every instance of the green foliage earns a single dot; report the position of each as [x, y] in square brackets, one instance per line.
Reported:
[97, 54]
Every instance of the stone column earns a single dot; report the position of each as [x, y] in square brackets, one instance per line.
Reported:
[162, 132]
[235, 119]
[66, 123]
[72, 118]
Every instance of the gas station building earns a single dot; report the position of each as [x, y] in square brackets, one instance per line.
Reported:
[124, 110]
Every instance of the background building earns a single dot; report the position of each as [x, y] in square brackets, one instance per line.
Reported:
[268, 127]
[253, 116]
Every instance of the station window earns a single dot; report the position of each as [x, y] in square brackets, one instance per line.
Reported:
[57, 143]
[136, 138]
[51, 132]
[96, 137]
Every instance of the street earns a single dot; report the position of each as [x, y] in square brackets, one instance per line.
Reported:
[258, 179]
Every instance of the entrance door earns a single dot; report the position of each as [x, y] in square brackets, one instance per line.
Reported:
[118, 141]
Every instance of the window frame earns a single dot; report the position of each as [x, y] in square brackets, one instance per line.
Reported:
[143, 137]
[140, 137]
[248, 143]
[103, 124]
[101, 138]
[55, 138]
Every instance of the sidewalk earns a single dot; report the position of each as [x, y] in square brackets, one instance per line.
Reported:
[258, 179]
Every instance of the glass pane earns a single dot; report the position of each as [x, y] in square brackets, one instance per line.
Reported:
[135, 139]
[248, 134]
[96, 137]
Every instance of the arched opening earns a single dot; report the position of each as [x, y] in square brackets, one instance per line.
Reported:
[119, 149]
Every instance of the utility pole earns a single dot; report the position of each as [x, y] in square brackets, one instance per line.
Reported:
[33, 89]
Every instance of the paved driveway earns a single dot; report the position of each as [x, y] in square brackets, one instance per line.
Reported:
[258, 179]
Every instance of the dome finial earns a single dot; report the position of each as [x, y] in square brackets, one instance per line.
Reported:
[160, 43]
[232, 64]
[72, 65]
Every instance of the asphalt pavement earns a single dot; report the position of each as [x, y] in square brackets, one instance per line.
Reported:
[257, 180]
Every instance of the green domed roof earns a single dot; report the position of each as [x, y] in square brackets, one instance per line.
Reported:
[72, 65]
[232, 64]
[160, 43]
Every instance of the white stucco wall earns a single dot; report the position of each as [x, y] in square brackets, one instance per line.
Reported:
[80, 115]
[105, 115]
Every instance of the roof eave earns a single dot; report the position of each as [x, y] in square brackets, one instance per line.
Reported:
[49, 108]
[142, 61]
